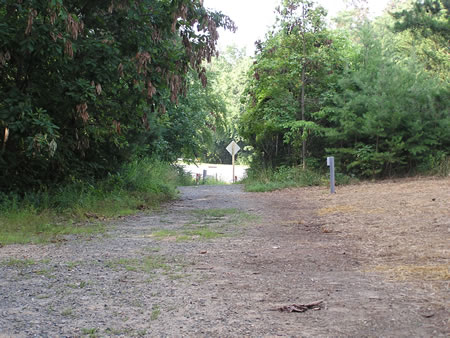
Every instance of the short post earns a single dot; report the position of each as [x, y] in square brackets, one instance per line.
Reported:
[330, 163]
[204, 175]
[232, 159]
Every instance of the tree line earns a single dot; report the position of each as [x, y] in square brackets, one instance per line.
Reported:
[89, 86]
[372, 93]
[86, 86]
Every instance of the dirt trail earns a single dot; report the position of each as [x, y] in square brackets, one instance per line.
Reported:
[219, 262]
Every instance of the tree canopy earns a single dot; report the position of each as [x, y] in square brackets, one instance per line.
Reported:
[374, 96]
[85, 85]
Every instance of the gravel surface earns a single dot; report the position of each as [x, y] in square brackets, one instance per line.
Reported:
[216, 262]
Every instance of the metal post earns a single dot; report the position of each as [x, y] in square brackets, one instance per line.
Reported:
[330, 163]
[204, 176]
[232, 160]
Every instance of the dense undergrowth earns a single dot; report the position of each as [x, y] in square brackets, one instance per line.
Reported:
[80, 207]
[266, 179]
[260, 180]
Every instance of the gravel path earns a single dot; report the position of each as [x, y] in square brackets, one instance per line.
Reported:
[216, 262]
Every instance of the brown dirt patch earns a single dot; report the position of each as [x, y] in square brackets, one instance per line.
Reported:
[399, 228]
[376, 254]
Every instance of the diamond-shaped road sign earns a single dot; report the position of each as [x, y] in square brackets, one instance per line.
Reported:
[233, 148]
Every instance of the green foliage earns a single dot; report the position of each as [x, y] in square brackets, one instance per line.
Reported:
[86, 86]
[424, 27]
[374, 98]
[48, 214]
[212, 112]
[387, 114]
[18, 263]
[260, 180]
[427, 17]
[295, 67]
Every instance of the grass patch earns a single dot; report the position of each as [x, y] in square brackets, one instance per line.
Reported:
[187, 234]
[129, 264]
[147, 264]
[165, 234]
[73, 264]
[33, 226]
[90, 332]
[262, 180]
[155, 312]
[208, 224]
[212, 181]
[203, 233]
[18, 263]
[67, 312]
[151, 263]
[81, 207]
[214, 213]
[226, 216]
[45, 272]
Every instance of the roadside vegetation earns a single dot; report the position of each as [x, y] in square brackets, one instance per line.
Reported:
[268, 179]
[81, 207]
[373, 93]
[86, 106]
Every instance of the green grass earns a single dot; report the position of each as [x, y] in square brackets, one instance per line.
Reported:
[151, 263]
[207, 224]
[68, 312]
[147, 264]
[155, 312]
[187, 234]
[212, 181]
[90, 332]
[73, 264]
[262, 180]
[81, 208]
[163, 234]
[226, 216]
[214, 213]
[32, 226]
[203, 233]
[18, 263]
[47, 272]
[129, 264]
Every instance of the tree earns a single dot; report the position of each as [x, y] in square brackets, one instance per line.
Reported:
[87, 85]
[294, 66]
[388, 116]
[368, 98]
[428, 24]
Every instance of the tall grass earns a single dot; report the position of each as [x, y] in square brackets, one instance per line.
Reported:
[80, 207]
[260, 180]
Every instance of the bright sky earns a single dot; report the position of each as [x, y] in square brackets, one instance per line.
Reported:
[254, 17]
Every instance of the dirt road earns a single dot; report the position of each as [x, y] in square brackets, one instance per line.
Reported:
[220, 262]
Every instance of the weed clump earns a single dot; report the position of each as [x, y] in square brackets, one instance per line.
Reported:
[260, 180]
[79, 207]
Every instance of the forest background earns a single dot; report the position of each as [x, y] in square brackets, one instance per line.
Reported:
[99, 99]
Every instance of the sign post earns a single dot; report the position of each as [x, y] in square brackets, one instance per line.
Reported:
[233, 149]
[330, 163]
